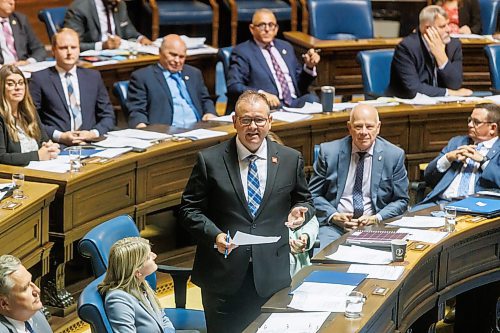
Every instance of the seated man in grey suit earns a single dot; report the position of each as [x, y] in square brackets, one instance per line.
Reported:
[358, 180]
[169, 92]
[19, 299]
[18, 43]
[469, 163]
[101, 24]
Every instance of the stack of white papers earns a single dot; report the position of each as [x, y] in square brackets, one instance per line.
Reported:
[343, 106]
[495, 99]
[309, 322]
[381, 101]
[122, 142]
[380, 272]
[468, 36]
[419, 99]
[362, 255]
[112, 152]
[242, 238]
[289, 117]
[426, 236]
[308, 108]
[418, 222]
[37, 66]
[311, 296]
[58, 165]
[200, 134]
[140, 134]
[224, 119]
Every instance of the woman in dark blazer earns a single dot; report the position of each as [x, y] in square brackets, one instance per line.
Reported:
[21, 135]
[463, 14]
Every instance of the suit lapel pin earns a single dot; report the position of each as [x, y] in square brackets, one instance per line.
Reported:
[380, 158]
[13, 22]
[186, 78]
[283, 51]
[274, 159]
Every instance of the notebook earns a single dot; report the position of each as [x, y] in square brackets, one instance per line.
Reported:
[374, 238]
[489, 207]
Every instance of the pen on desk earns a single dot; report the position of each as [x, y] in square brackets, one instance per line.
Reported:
[228, 238]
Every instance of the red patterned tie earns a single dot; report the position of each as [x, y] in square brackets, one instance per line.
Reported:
[9, 38]
[287, 96]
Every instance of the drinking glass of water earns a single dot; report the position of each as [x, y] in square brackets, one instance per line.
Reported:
[18, 181]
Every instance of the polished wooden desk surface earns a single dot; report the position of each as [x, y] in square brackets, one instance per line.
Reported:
[431, 276]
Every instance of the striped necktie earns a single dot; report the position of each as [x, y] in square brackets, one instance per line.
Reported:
[463, 186]
[357, 191]
[253, 185]
[28, 327]
[73, 104]
[287, 96]
[9, 37]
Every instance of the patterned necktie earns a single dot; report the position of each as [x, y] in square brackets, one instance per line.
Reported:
[9, 38]
[253, 185]
[28, 327]
[73, 104]
[184, 93]
[357, 191]
[463, 186]
[287, 96]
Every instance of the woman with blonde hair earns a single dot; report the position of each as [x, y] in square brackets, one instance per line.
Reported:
[131, 304]
[22, 138]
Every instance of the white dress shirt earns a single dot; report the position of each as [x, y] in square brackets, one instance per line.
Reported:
[103, 23]
[261, 163]
[19, 325]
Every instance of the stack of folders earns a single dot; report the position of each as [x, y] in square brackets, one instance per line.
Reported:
[489, 207]
[375, 238]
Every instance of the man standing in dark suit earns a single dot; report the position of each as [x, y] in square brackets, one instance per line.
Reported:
[19, 299]
[19, 44]
[468, 163]
[358, 180]
[101, 24]
[248, 184]
[269, 65]
[429, 61]
[72, 102]
[169, 92]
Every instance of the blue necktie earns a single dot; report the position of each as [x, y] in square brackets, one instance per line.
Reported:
[28, 327]
[73, 104]
[463, 187]
[184, 93]
[253, 185]
[357, 191]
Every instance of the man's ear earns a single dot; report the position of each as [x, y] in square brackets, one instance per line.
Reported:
[4, 303]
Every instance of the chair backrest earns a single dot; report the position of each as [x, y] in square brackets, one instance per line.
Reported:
[493, 54]
[223, 55]
[375, 71]
[97, 243]
[340, 19]
[120, 91]
[91, 308]
[489, 14]
[53, 19]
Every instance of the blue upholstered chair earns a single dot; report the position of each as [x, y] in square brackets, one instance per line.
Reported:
[223, 56]
[493, 54]
[340, 19]
[53, 18]
[183, 12]
[489, 14]
[120, 91]
[91, 308]
[242, 11]
[375, 71]
[96, 245]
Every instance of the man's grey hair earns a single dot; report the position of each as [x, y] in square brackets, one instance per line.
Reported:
[429, 14]
[251, 97]
[8, 265]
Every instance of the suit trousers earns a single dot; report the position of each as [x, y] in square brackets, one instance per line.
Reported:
[233, 313]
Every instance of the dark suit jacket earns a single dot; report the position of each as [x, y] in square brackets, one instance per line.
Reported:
[468, 14]
[389, 180]
[149, 99]
[82, 17]
[25, 40]
[214, 202]
[489, 178]
[40, 324]
[248, 70]
[48, 96]
[412, 69]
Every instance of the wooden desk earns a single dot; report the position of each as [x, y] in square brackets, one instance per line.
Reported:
[143, 183]
[24, 231]
[466, 259]
[338, 66]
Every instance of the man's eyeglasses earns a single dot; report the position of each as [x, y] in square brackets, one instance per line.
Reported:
[476, 122]
[262, 26]
[246, 121]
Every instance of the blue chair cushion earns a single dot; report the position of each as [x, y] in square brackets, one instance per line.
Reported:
[91, 308]
[53, 18]
[187, 319]
[493, 54]
[375, 71]
[489, 15]
[183, 12]
[246, 8]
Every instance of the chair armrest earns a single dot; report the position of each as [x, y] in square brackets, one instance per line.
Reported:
[419, 189]
[180, 276]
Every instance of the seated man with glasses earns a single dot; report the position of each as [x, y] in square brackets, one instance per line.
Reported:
[469, 163]
[269, 65]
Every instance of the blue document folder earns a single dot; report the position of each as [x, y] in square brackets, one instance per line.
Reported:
[350, 279]
[478, 205]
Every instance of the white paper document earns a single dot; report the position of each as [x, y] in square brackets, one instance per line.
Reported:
[139, 134]
[468, 36]
[37, 66]
[419, 99]
[308, 108]
[121, 142]
[289, 117]
[309, 322]
[343, 106]
[58, 165]
[426, 236]
[311, 296]
[495, 99]
[199, 134]
[380, 272]
[362, 255]
[112, 152]
[223, 119]
[242, 238]
[418, 222]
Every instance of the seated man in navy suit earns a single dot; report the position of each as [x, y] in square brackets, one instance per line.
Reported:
[468, 163]
[18, 43]
[269, 65]
[169, 92]
[428, 61]
[72, 102]
[358, 180]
